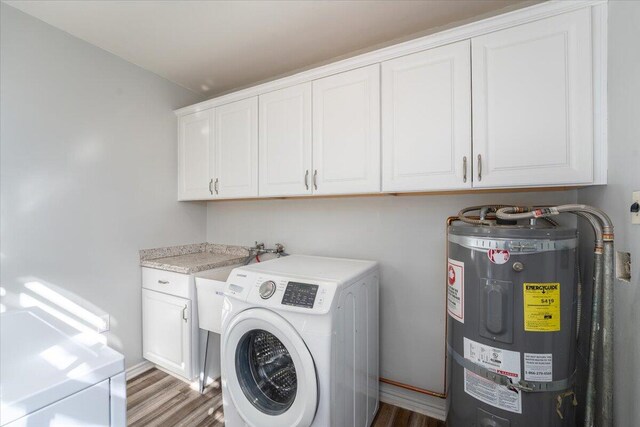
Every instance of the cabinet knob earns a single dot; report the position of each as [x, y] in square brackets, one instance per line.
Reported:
[479, 167]
[306, 179]
[184, 314]
[215, 186]
[315, 179]
[210, 184]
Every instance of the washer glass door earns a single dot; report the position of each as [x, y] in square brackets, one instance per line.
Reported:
[266, 372]
[270, 374]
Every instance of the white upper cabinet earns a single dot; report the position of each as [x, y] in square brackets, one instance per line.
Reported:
[235, 141]
[532, 103]
[516, 100]
[426, 120]
[346, 132]
[195, 165]
[285, 142]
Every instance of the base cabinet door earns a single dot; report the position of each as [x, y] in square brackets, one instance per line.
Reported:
[166, 332]
[532, 103]
[195, 165]
[285, 141]
[426, 120]
[235, 141]
[346, 132]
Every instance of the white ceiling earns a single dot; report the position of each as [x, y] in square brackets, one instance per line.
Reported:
[213, 47]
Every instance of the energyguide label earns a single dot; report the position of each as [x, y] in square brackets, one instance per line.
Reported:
[541, 307]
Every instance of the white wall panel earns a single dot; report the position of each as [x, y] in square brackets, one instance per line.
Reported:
[615, 199]
[89, 167]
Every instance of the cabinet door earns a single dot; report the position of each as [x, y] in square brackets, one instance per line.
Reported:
[346, 132]
[285, 142]
[235, 128]
[194, 156]
[426, 120]
[166, 331]
[532, 103]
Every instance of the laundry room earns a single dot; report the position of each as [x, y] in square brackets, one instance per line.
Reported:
[319, 213]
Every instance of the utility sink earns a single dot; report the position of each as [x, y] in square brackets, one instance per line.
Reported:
[210, 295]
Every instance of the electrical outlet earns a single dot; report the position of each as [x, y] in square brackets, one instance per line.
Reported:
[635, 216]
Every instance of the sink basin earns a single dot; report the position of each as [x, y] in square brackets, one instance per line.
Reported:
[210, 295]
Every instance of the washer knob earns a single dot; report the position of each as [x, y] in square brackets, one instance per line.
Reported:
[267, 289]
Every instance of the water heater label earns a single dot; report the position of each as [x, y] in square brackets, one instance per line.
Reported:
[455, 289]
[538, 367]
[500, 361]
[541, 307]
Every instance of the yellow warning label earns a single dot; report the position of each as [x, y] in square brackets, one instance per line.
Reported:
[541, 307]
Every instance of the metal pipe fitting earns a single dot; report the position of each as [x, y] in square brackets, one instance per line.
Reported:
[594, 342]
[606, 401]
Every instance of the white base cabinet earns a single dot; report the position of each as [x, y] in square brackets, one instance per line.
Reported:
[169, 324]
[166, 331]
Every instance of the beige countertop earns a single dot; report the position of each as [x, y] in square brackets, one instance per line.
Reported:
[190, 259]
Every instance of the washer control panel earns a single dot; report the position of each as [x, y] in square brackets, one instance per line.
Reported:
[281, 292]
[300, 294]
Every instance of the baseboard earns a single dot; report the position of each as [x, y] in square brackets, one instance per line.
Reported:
[140, 368]
[431, 406]
[144, 366]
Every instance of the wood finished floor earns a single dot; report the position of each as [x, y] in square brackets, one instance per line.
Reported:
[155, 398]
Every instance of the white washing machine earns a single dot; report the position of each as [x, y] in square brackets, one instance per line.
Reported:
[300, 343]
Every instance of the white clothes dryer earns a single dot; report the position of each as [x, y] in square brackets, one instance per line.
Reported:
[300, 343]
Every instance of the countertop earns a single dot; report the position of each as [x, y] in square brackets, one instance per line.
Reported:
[190, 259]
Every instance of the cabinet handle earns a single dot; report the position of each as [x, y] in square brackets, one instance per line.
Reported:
[306, 179]
[210, 184]
[479, 167]
[163, 282]
[464, 168]
[215, 186]
[184, 313]
[315, 179]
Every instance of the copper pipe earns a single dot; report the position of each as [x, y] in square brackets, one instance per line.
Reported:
[446, 299]
[413, 388]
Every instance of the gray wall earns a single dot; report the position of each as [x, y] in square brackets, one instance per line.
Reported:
[88, 174]
[615, 198]
[406, 234]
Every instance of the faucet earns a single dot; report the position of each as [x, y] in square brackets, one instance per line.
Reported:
[260, 249]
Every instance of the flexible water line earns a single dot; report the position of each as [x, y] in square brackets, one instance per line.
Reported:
[601, 345]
